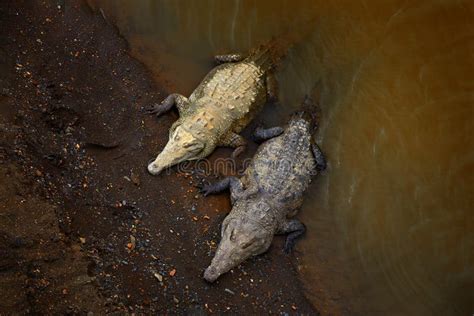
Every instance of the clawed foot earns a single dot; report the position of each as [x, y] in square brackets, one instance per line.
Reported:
[156, 109]
[289, 245]
[207, 189]
[238, 151]
[296, 229]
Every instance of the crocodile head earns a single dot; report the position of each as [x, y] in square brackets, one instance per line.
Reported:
[181, 146]
[241, 237]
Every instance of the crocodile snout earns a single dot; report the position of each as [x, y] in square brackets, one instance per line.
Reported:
[154, 169]
[211, 274]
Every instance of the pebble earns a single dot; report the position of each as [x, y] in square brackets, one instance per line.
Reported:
[229, 291]
[131, 245]
[158, 276]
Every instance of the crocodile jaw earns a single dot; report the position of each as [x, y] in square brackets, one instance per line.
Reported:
[241, 239]
[215, 270]
[181, 146]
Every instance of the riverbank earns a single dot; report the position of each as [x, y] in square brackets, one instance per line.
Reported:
[84, 228]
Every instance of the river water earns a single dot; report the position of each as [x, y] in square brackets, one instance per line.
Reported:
[390, 223]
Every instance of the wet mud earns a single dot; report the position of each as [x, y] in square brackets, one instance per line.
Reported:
[84, 228]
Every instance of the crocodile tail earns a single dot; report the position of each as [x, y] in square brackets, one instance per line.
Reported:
[310, 111]
[268, 55]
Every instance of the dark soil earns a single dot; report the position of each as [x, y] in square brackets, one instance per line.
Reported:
[83, 227]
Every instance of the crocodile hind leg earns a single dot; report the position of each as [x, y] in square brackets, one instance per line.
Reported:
[319, 157]
[179, 100]
[295, 229]
[261, 134]
[229, 58]
[272, 87]
[234, 140]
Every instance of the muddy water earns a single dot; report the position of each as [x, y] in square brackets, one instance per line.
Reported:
[390, 224]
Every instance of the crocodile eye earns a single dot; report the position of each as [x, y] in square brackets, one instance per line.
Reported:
[247, 244]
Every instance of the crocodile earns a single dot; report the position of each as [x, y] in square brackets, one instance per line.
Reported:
[224, 102]
[268, 195]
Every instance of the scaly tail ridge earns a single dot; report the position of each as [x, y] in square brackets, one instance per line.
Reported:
[269, 54]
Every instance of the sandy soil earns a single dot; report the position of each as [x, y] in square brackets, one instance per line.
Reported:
[83, 227]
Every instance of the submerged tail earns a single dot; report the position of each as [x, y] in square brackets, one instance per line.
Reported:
[269, 54]
[310, 111]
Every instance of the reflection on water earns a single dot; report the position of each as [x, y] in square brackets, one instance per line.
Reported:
[390, 224]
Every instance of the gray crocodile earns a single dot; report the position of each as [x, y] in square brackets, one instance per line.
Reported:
[219, 108]
[268, 195]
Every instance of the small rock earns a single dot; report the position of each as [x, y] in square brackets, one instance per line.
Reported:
[82, 240]
[172, 272]
[175, 300]
[133, 242]
[229, 291]
[158, 276]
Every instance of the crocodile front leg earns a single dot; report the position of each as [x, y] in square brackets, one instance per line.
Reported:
[229, 58]
[261, 134]
[318, 156]
[232, 183]
[234, 140]
[295, 229]
[179, 100]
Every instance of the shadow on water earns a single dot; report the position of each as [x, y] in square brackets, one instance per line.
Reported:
[390, 225]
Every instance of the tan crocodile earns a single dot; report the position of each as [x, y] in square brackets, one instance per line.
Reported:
[219, 108]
